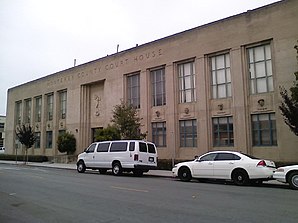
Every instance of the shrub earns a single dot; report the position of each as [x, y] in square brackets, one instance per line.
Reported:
[66, 143]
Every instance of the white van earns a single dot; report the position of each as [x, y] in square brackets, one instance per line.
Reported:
[120, 156]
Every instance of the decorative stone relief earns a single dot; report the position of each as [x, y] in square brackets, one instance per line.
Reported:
[157, 113]
[186, 111]
[97, 100]
[37, 127]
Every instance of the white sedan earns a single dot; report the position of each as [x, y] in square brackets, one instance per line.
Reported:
[287, 174]
[226, 165]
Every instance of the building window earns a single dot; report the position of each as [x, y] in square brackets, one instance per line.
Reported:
[63, 101]
[133, 90]
[50, 103]
[159, 134]
[38, 109]
[37, 140]
[260, 69]
[187, 91]
[264, 130]
[188, 133]
[49, 139]
[158, 87]
[27, 110]
[18, 112]
[2, 125]
[223, 134]
[221, 76]
[61, 132]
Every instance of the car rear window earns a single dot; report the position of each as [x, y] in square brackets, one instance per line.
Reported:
[118, 147]
[250, 156]
[143, 147]
[151, 148]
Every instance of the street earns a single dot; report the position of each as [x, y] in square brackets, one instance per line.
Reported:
[37, 194]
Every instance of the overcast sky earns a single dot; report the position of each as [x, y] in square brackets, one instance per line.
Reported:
[41, 37]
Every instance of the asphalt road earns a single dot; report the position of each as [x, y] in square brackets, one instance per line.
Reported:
[36, 194]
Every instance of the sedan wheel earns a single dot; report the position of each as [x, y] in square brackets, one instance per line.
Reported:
[240, 177]
[293, 180]
[184, 174]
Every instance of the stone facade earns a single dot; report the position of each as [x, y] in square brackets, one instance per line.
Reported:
[213, 87]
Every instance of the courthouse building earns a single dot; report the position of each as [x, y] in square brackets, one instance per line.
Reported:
[213, 87]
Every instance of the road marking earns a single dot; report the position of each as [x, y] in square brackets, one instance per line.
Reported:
[12, 194]
[129, 189]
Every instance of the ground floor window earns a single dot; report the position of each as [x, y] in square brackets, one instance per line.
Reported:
[223, 134]
[49, 139]
[264, 130]
[37, 140]
[159, 134]
[188, 133]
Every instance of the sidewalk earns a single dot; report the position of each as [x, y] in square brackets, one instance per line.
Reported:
[72, 166]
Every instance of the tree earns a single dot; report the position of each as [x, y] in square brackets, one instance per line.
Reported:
[66, 143]
[26, 137]
[126, 120]
[289, 104]
[106, 134]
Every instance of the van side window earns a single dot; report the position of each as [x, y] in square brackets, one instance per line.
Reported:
[143, 147]
[91, 148]
[118, 147]
[132, 146]
[103, 147]
[151, 148]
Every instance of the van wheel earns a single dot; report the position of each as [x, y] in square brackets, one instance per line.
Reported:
[81, 167]
[117, 169]
[138, 173]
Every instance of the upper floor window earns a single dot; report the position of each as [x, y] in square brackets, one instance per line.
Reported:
[38, 109]
[264, 130]
[133, 90]
[158, 87]
[159, 134]
[187, 90]
[50, 104]
[223, 134]
[63, 101]
[18, 114]
[221, 76]
[260, 69]
[188, 133]
[27, 111]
